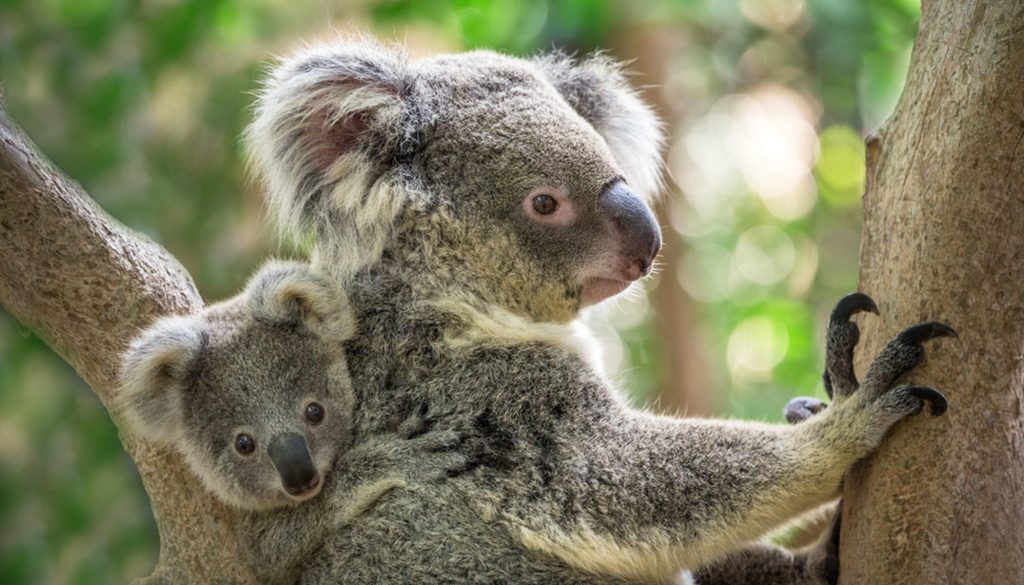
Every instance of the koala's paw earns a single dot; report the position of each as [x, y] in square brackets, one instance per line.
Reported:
[841, 338]
[899, 356]
[432, 453]
[438, 455]
[802, 408]
[438, 441]
[412, 424]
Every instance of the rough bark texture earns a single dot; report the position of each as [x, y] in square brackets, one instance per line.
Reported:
[86, 285]
[943, 501]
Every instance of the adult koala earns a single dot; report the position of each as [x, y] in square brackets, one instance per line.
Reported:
[471, 205]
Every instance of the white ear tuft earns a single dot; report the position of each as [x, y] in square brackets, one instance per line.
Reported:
[291, 294]
[328, 119]
[597, 89]
[155, 372]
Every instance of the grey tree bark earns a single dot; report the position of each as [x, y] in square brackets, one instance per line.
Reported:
[943, 501]
[87, 285]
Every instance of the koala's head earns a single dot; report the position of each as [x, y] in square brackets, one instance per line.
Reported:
[254, 391]
[530, 179]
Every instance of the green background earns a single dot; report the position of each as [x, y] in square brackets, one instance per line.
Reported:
[143, 102]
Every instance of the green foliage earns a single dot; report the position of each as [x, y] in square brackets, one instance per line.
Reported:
[515, 27]
[143, 103]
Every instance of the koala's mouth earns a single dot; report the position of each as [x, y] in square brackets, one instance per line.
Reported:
[599, 288]
[302, 496]
[305, 490]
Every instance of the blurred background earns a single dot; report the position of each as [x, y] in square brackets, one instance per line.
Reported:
[142, 101]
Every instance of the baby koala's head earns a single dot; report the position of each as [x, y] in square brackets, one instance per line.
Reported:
[253, 391]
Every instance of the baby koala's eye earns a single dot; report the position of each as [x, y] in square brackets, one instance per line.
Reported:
[544, 204]
[314, 412]
[245, 444]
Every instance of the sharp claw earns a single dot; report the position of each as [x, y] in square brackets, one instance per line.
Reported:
[922, 332]
[932, 396]
[852, 304]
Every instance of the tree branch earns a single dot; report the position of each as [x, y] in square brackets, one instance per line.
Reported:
[87, 285]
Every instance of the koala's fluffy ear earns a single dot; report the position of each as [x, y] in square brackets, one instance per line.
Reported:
[324, 117]
[156, 370]
[597, 89]
[291, 294]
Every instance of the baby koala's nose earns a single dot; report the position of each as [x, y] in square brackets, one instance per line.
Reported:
[290, 456]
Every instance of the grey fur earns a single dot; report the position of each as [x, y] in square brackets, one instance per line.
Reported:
[251, 365]
[279, 544]
[597, 89]
[466, 304]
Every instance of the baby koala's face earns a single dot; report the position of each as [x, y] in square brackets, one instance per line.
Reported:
[268, 411]
[254, 391]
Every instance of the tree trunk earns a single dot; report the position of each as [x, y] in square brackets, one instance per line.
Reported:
[87, 285]
[943, 501]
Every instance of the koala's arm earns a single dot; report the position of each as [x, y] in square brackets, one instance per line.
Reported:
[656, 493]
[764, 564]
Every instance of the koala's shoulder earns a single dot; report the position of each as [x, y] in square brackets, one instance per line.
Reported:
[541, 374]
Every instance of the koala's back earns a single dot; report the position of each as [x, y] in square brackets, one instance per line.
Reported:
[467, 528]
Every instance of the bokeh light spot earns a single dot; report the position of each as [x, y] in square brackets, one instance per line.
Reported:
[756, 346]
[777, 15]
[841, 167]
[765, 254]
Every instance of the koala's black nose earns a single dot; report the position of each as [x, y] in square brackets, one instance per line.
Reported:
[639, 233]
[290, 456]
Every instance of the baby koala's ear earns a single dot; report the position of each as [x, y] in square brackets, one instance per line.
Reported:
[324, 116]
[597, 89]
[290, 294]
[156, 371]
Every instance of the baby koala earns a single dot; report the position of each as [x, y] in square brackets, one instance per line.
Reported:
[253, 391]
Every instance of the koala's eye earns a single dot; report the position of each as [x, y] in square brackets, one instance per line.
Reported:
[544, 204]
[314, 412]
[245, 444]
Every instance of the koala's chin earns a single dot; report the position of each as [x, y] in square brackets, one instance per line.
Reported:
[596, 290]
[306, 496]
[285, 499]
